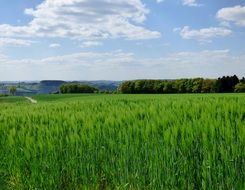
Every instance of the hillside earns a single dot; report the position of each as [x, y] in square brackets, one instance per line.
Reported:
[52, 86]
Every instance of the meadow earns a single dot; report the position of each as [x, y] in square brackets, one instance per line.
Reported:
[191, 141]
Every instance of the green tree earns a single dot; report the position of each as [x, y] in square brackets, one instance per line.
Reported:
[138, 85]
[181, 85]
[208, 86]
[240, 87]
[168, 87]
[127, 87]
[242, 80]
[158, 87]
[197, 85]
[76, 88]
[12, 90]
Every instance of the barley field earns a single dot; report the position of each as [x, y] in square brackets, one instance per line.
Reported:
[123, 142]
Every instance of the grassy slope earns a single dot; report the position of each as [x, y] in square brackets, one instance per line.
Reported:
[12, 99]
[62, 97]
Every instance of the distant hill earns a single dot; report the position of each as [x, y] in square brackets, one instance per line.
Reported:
[52, 86]
[101, 85]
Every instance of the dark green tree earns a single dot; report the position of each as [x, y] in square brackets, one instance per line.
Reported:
[197, 85]
[208, 86]
[77, 88]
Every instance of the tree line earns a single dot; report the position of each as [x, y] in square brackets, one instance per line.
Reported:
[77, 88]
[225, 84]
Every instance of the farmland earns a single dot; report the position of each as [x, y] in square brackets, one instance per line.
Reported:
[190, 141]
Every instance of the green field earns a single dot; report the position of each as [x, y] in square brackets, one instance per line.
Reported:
[123, 142]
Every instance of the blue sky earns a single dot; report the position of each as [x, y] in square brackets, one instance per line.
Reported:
[121, 40]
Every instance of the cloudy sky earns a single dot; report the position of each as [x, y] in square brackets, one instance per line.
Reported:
[121, 39]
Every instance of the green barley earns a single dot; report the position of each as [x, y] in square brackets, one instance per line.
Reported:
[123, 142]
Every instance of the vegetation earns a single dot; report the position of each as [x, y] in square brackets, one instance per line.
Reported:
[76, 88]
[11, 99]
[12, 90]
[53, 86]
[240, 87]
[124, 142]
[197, 85]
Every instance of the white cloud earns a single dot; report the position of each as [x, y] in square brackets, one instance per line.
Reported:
[234, 14]
[191, 3]
[85, 19]
[55, 45]
[160, 1]
[177, 29]
[204, 34]
[225, 24]
[118, 65]
[2, 57]
[15, 42]
[91, 44]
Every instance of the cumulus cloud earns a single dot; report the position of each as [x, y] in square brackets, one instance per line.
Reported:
[85, 19]
[15, 42]
[234, 14]
[159, 1]
[55, 45]
[91, 44]
[2, 57]
[119, 65]
[204, 34]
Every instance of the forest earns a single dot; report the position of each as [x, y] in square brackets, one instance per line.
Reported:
[225, 84]
[76, 88]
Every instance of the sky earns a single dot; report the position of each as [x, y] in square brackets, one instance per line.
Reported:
[121, 39]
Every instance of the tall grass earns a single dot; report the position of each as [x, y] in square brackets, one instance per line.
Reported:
[124, 142]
